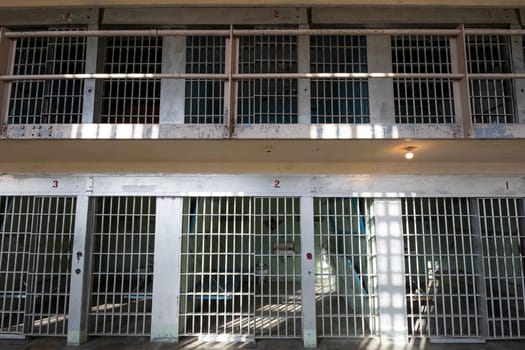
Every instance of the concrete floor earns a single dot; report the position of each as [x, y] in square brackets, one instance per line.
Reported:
[142, 343]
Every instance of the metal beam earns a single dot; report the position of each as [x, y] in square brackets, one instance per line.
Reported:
[303, 85]
[166, 270]
[380, 90]
[518, 66]
[416, 15]
[204, 16]
[369, 186]
[80, 273]
[7, 51]
[261, 3]
[458, 55]
[477, 246]
[91, 88]
[230, 86]
[172, 92]
[308, 273]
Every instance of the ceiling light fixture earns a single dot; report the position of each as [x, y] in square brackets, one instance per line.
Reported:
[409, 152]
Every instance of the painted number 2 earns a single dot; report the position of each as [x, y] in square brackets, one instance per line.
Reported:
[276, 183]
[55, 184]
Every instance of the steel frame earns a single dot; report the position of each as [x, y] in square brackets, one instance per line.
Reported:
[389, 186]
[37, 235]
[171, 190]
[459, 75]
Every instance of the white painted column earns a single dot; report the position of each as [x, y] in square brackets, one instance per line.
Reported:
[308, 272]
[303, 85]
[166, 270]
[80, 273]
[91, 90]
[390, 270]
[380, 90]
[172, 91]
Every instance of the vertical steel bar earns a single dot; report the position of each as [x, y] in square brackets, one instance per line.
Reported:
[7, 51]
[303, 85]
[91, 88]
[479, 272]
[518, 66]
[461, 89]
[230, 90]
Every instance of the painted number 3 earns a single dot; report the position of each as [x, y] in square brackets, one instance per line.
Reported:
[55, 184]
[277, 183]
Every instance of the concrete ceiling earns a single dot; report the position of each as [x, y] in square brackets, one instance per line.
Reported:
[249, 3]
[503, 156]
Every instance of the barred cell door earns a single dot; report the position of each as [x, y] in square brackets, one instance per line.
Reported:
[216, 264]
[277, 268]
[240, 268]
[443, 279]
[502, 222]
[36, 248]
[346, 274]
[122, 266]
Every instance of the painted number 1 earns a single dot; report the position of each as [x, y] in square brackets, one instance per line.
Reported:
[55, 184]
[276, 183]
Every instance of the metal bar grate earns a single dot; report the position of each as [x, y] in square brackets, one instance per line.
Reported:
[204, 98]
[216, 268]
[503, 256]
[491, 100]
[267, 101]
[49, 101]
[440, 263]
[277, 239]
[131, 100]
[419, 101]
[339, 100]
[36, 252]
[240, 268]
[122, 273]
[346, 286]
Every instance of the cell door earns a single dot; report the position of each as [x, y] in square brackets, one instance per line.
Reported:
[216, 268]
[502, 222]
[122, 266]
[36, 248]
[277, 268]
[346, 273]
[441, 259]
[240, 268]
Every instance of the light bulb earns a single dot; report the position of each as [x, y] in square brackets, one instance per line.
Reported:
[409, 152]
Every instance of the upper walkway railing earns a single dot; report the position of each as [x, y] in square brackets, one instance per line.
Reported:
[263, 83]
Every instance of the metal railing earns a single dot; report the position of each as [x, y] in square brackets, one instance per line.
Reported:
[471, 87]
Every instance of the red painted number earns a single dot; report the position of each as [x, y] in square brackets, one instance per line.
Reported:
[55, 183]
[277, 183]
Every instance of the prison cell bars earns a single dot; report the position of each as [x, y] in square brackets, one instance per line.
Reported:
[36, 247]
[460, 71]
[122, 266]
[346, 290]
